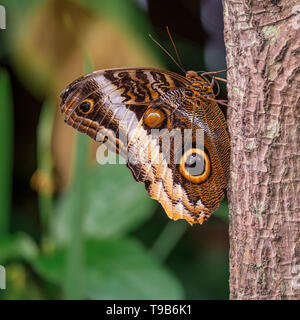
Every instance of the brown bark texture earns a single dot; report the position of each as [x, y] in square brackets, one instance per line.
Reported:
[262, 41]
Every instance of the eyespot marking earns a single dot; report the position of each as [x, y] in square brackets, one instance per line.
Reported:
[195, 165]
[154, 118]
[86, 106]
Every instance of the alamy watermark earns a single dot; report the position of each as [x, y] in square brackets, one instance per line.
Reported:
[2, 17]
[152, 147]
[2, 278]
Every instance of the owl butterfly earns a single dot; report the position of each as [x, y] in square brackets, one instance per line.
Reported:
[131, 102]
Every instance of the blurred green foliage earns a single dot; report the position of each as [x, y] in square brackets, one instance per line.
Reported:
[102, 237]
[6, 142]
[115, 269]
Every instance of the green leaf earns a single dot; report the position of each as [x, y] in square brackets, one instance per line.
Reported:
[20, 285]
[116, 204]
[17, 246]
[115, 269]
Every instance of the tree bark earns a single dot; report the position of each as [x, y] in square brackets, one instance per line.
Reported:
[262, 41]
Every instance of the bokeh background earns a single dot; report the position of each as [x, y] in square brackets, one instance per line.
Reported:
[70, 228]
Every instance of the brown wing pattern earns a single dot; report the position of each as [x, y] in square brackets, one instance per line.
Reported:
[118, 100]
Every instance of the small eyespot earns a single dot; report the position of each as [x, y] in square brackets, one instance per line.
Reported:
[195, 165]
[154, 118]
[86, 106]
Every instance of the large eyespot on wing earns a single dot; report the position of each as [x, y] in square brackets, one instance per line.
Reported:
[217, 138]
[195, 165]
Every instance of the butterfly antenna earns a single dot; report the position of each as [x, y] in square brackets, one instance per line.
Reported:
[217, 83]
[221, 79]
[166, 51]
[175, 49]
[215, 72]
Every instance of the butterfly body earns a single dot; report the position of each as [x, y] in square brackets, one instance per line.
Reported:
[123, 107]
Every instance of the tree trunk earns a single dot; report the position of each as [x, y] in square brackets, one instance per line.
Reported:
[263, 50]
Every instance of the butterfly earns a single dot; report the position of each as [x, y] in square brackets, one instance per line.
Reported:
[131, 103]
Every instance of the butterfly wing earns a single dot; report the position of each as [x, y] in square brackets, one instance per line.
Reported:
[111, 105]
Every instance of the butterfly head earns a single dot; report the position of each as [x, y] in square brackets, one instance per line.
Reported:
[200, 83]
[191, 74]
